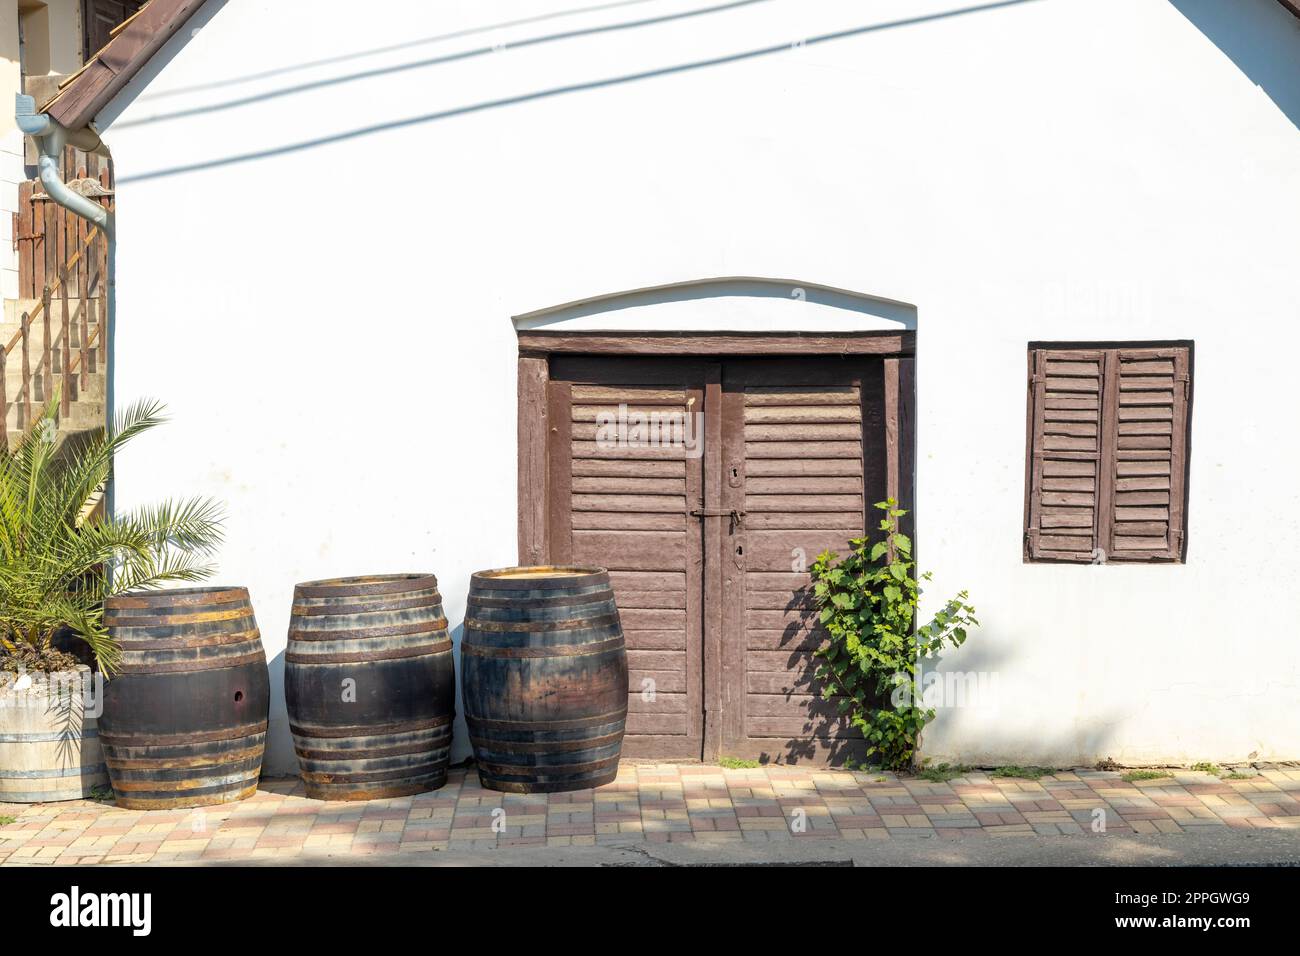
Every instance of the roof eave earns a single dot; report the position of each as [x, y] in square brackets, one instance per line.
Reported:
[104, 76]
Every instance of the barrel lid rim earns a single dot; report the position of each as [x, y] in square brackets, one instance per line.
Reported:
[539, 572]
[197, 589]
[355, 579]
[163, 595]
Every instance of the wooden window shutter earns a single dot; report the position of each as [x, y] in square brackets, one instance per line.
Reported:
[99, 18]
[1108, 454]
[1147, 400]
[1065, 447]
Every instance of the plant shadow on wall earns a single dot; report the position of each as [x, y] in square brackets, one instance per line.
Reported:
[61, 555]
[868, 649]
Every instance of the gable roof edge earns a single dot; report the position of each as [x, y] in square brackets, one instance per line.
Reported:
[136, 41]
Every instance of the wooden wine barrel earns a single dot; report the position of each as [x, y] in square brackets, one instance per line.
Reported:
[370, 685]
[544, 678]
[184, 721]
[49, 740]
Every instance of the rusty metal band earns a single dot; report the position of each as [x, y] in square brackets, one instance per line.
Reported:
[365, 633]
[480, 723]
[566, 600]
[363, 657]
[550, 650]
[545, 747]
[551, 786]
[224, 795]
[373, 607]
[355, 587]
[189, 667]
[201, 617]
[174, 599]
[181, 643]
[185, 763]
[170, 740]
[356, 792]
[375, 753]
[548, 770]
[366, 776]
[371, 730]
[569, 624]
[180, 787]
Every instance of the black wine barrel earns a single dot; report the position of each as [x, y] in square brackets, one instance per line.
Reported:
[370, 685]
[544, 678]
[184, 721]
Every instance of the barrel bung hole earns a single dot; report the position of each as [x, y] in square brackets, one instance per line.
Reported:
[239, 695]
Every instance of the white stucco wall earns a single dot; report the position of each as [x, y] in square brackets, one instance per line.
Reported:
[326, 223]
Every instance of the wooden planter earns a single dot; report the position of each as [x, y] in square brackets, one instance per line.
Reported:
[544, 678]
[49, 745]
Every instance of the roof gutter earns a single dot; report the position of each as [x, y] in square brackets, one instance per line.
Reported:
[50, 137]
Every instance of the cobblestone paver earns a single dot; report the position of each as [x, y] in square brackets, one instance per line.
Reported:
[652, 803]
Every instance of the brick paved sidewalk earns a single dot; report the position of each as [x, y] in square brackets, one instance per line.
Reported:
[650, 803]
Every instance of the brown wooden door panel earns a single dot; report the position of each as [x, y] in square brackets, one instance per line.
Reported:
[804, 454]
[625, 506]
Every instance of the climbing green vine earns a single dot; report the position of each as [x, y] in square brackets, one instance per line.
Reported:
[871, 663]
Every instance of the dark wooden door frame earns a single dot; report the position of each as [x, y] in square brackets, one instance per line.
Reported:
[536, 349]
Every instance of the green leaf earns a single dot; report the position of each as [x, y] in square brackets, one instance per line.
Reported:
[60, 558]
[868, 612]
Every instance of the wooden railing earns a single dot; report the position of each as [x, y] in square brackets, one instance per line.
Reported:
[87, 266]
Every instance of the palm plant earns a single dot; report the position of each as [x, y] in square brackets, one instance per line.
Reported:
[60, 557]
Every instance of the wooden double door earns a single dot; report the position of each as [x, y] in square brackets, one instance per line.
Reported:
[708, 486]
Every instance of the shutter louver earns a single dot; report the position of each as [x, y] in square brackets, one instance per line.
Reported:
[1147, 464]
[1066, 449]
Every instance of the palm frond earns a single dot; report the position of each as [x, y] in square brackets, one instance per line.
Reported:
[59, 559]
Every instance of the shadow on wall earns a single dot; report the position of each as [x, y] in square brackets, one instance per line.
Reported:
[827, 736]
[486, 51]
[279, 757]
[1261, 37]
[392, 48]
[783, 46]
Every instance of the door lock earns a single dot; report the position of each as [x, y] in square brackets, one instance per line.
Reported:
[737, 517]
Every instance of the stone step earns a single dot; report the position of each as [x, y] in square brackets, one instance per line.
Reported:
[14, 371]
[36, 338]
[83, 417]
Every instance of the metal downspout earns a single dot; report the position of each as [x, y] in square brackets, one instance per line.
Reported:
[50, 137]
